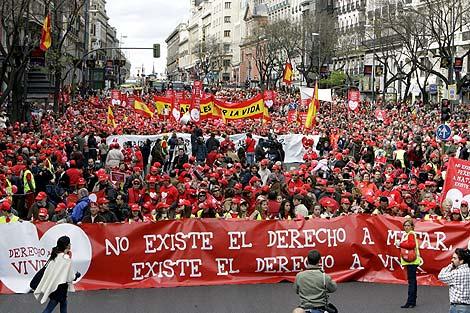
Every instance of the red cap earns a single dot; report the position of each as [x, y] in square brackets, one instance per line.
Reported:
[41, 196]
[102, 201]
[81, 181]
[345, 200]
[135, 207]
[43, 212]
[61, 206]
[6, 206]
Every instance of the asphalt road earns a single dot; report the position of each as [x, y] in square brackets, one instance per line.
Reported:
[266, 298]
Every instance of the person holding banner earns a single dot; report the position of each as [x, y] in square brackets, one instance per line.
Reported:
[457, 276]
[410, 259]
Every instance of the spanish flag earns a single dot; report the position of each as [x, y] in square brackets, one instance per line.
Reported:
[141, 108]
[46, 39]
[266, 117]
[313, 108]
[163, 105]
[110, 117]
[287, 78]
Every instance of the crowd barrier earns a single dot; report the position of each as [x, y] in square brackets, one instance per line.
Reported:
[215, 252]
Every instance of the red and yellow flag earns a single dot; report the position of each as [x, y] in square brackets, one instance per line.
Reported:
[141, 108]
[46, 39]
[266, 117]
[313, 108]
[287, 78]
[110, 117]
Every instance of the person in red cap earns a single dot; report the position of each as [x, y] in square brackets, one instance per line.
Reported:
[6, 213]
[464, 210]
[135, 215]
[250, 144]
[74, 174]
[105, 212]
[135, 194]
[455, 215]
[41, 202]
[60, 214]
[168, 192]
[43, 216]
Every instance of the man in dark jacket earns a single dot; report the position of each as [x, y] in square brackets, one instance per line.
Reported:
[212, 143]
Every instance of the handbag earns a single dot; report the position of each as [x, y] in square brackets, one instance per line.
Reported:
[408, 255]
[329, 307]
[37, 277]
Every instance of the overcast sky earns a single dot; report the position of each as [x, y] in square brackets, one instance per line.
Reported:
[146, 22]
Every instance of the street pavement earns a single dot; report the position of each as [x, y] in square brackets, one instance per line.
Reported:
[263, 298]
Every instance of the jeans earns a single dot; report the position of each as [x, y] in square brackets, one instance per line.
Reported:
[313, 311]
[250, 158]
[459, 309]
[53, 303]
[412, 285]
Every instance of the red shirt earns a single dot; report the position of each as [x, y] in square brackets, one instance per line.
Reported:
[250, 144]
[74, 174]
[169, 194]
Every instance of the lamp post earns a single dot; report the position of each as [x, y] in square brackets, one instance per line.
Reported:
[319, 56]
[373, 61]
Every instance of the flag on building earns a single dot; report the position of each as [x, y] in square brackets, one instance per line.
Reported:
[46, 39]
[110, 117]
[142, 108]
[313, 108]
[287, 78]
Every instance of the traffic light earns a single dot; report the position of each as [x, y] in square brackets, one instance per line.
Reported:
[156, 50]
[445, 110]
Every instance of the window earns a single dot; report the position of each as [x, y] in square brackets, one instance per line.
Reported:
[226, 33]
[226, 47]
[226, 19]
[228, 5]
[226, 63]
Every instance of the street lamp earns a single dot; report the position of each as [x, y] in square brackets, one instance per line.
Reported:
[319, 57]
[373, 61]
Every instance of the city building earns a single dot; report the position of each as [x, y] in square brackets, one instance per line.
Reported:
[107, 67]
[255, 16]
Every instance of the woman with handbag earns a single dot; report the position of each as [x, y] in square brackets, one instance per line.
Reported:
[58, 277]
[410, 259]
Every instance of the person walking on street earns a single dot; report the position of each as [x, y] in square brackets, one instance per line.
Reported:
[410, 259]
[313, 286]
[58, 277]
[457, 276]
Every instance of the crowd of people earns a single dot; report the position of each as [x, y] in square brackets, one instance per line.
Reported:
[61, 169]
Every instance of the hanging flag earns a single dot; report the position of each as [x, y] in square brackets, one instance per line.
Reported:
[313, 108]
[141, 108]
[110, 117]
[46, 39]
[287, 78]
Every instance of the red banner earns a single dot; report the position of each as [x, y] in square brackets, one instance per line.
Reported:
[354, 97]
[457, 182]
[215, 252]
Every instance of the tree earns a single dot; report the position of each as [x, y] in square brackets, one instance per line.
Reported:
[19, 41]
[209, 54]
[319, 40]
[437, 25]
[65, 14]
[335, 79]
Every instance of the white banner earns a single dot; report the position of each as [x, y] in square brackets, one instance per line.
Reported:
[291, 143]
[323, 94]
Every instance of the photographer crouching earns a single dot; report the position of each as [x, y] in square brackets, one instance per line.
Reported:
[313, 286]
